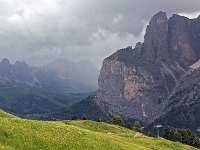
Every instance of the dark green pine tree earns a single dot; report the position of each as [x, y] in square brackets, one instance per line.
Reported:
[74, 117]
[137, 127]
[129, 126]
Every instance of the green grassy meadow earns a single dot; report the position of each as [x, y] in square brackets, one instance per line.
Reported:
[21, 134]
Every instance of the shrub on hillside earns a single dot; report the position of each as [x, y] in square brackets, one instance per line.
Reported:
[74, 117]
[117, 120]
[84, 117]
[100, 119]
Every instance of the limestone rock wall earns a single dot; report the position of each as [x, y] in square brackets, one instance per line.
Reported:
[137, 82]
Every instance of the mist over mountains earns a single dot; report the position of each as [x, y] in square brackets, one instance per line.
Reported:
[99, 74]
[26, 90]
[152, 82]
[61, 75]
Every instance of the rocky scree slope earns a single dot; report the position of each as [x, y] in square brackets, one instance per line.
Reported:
[183, 108]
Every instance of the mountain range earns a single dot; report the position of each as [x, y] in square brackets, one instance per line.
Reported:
[26, 90]
[60, 75]
[156, 82]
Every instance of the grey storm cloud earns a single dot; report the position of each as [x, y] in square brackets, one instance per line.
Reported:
[40, 31]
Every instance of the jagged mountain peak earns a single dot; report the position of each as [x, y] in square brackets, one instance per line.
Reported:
[160, 17]
[5, 61]
[155, 46]
[175, 16]
[173, 40]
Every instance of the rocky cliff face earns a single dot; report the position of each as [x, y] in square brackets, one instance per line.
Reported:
[134, 87]
[183, 108]
[182, 40]
[156, 39]
[136, 83]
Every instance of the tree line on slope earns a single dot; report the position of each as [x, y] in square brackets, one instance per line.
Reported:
[116, 120]
[184, 136]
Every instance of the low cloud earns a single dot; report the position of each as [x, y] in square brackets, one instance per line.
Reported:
[39, 31]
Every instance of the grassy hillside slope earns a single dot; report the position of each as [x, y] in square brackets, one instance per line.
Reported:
[20, 134]
[4, 114]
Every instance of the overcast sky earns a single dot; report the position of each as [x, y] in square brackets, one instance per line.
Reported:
[40, 31]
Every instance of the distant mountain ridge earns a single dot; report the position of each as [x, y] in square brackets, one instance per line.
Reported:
[23, 99]
[60, 75]
[26, 90]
